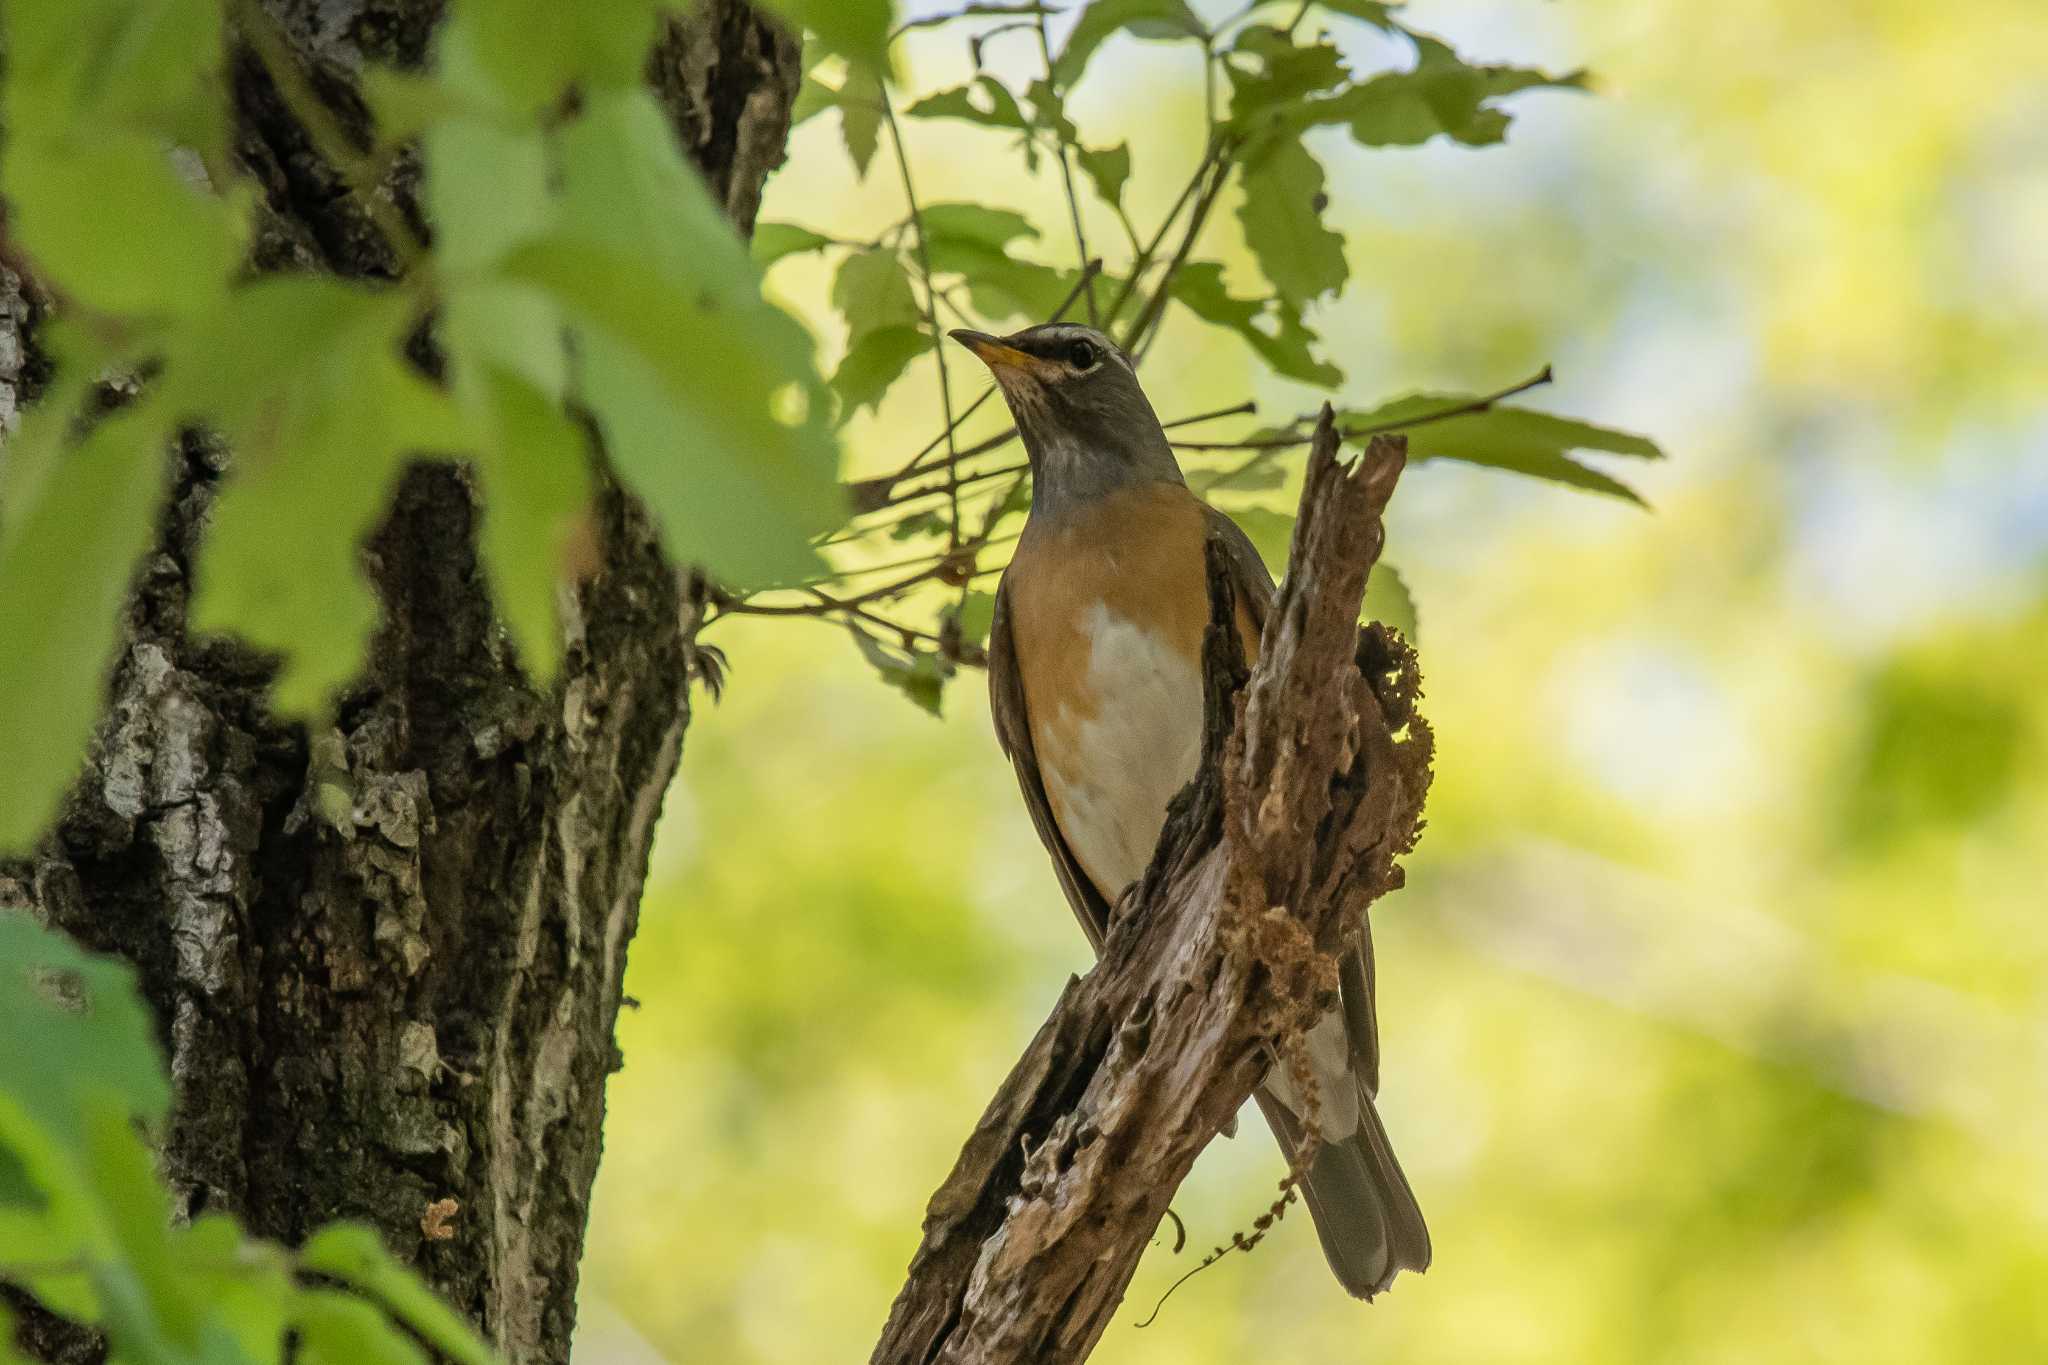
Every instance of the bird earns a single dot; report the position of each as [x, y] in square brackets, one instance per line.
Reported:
[1095, 684]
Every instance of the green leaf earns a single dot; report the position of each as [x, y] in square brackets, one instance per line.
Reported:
[247, 1285]
[876, 360]
[860, 117]
[353, 1254]
[144, 66]
[322, 411]
[1271, 532]
[537, 488]
[67, 555]
[1256, 473]
[872, 289]
[918, 524]
[110, 220]
[975, 612]
[708, 397]
[1282, 218]
[773, 241]
[855, 29]
[1515, 439]
[340, 1329]
[1168, 19]
[487, 191]
[523, 54]
[997, 108]
[1379, 15]
[975, 223]
[1388, 601]
[1440, 96]
[93, 1035]
[1285, 71]
[919, 674]
[1107, 169]
[1286, 346]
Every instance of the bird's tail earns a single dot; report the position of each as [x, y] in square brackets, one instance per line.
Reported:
[1367, 1217]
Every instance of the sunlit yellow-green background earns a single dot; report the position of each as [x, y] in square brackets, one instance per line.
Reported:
[1714, 1011]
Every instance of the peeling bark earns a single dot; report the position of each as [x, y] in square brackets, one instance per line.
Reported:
[1311, 785]
[386, 958]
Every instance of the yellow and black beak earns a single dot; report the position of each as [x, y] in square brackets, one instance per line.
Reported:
[1000, 355]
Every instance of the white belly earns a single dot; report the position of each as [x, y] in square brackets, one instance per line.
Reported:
[1109, 774]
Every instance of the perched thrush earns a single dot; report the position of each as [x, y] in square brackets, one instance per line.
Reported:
[1095, 677]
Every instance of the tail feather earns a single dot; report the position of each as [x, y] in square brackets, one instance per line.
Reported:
[1366, 1215]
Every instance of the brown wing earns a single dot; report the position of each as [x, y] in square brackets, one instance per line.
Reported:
[1013, 732]
[1355, 973]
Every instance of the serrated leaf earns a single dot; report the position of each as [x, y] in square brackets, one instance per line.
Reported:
[1519, 440]
[860, 117]
[708, 398]
[1155, 19]
[917, 673]
[67, 555]
[1107, 168]
[1441, 95]
[1388, 601]
[353, 1254]
[1286, 347]
[996, 107]
[877, 359]
[1282, 218]
[773, 241]
[1285, 71]
[855, 29]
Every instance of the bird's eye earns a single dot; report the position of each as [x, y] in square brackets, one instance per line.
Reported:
[1082, 355]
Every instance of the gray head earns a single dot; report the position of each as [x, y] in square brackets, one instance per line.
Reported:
[1086, 423]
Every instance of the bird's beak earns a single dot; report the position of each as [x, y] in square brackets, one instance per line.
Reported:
[996, 353]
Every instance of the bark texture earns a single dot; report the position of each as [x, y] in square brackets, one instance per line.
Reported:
[386, 957]
[1311, 785]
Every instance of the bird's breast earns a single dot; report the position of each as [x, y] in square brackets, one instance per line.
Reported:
[1108, 614]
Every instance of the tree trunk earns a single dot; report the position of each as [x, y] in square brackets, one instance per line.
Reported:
[386, 957]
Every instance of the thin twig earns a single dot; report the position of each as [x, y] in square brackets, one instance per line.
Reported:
[931, 304]
[1067, 170]
[1481, 404]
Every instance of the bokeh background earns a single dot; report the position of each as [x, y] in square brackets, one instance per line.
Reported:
[1714, 1011]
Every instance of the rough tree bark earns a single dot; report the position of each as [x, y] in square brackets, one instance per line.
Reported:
[386, 958]
[1312, 781]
